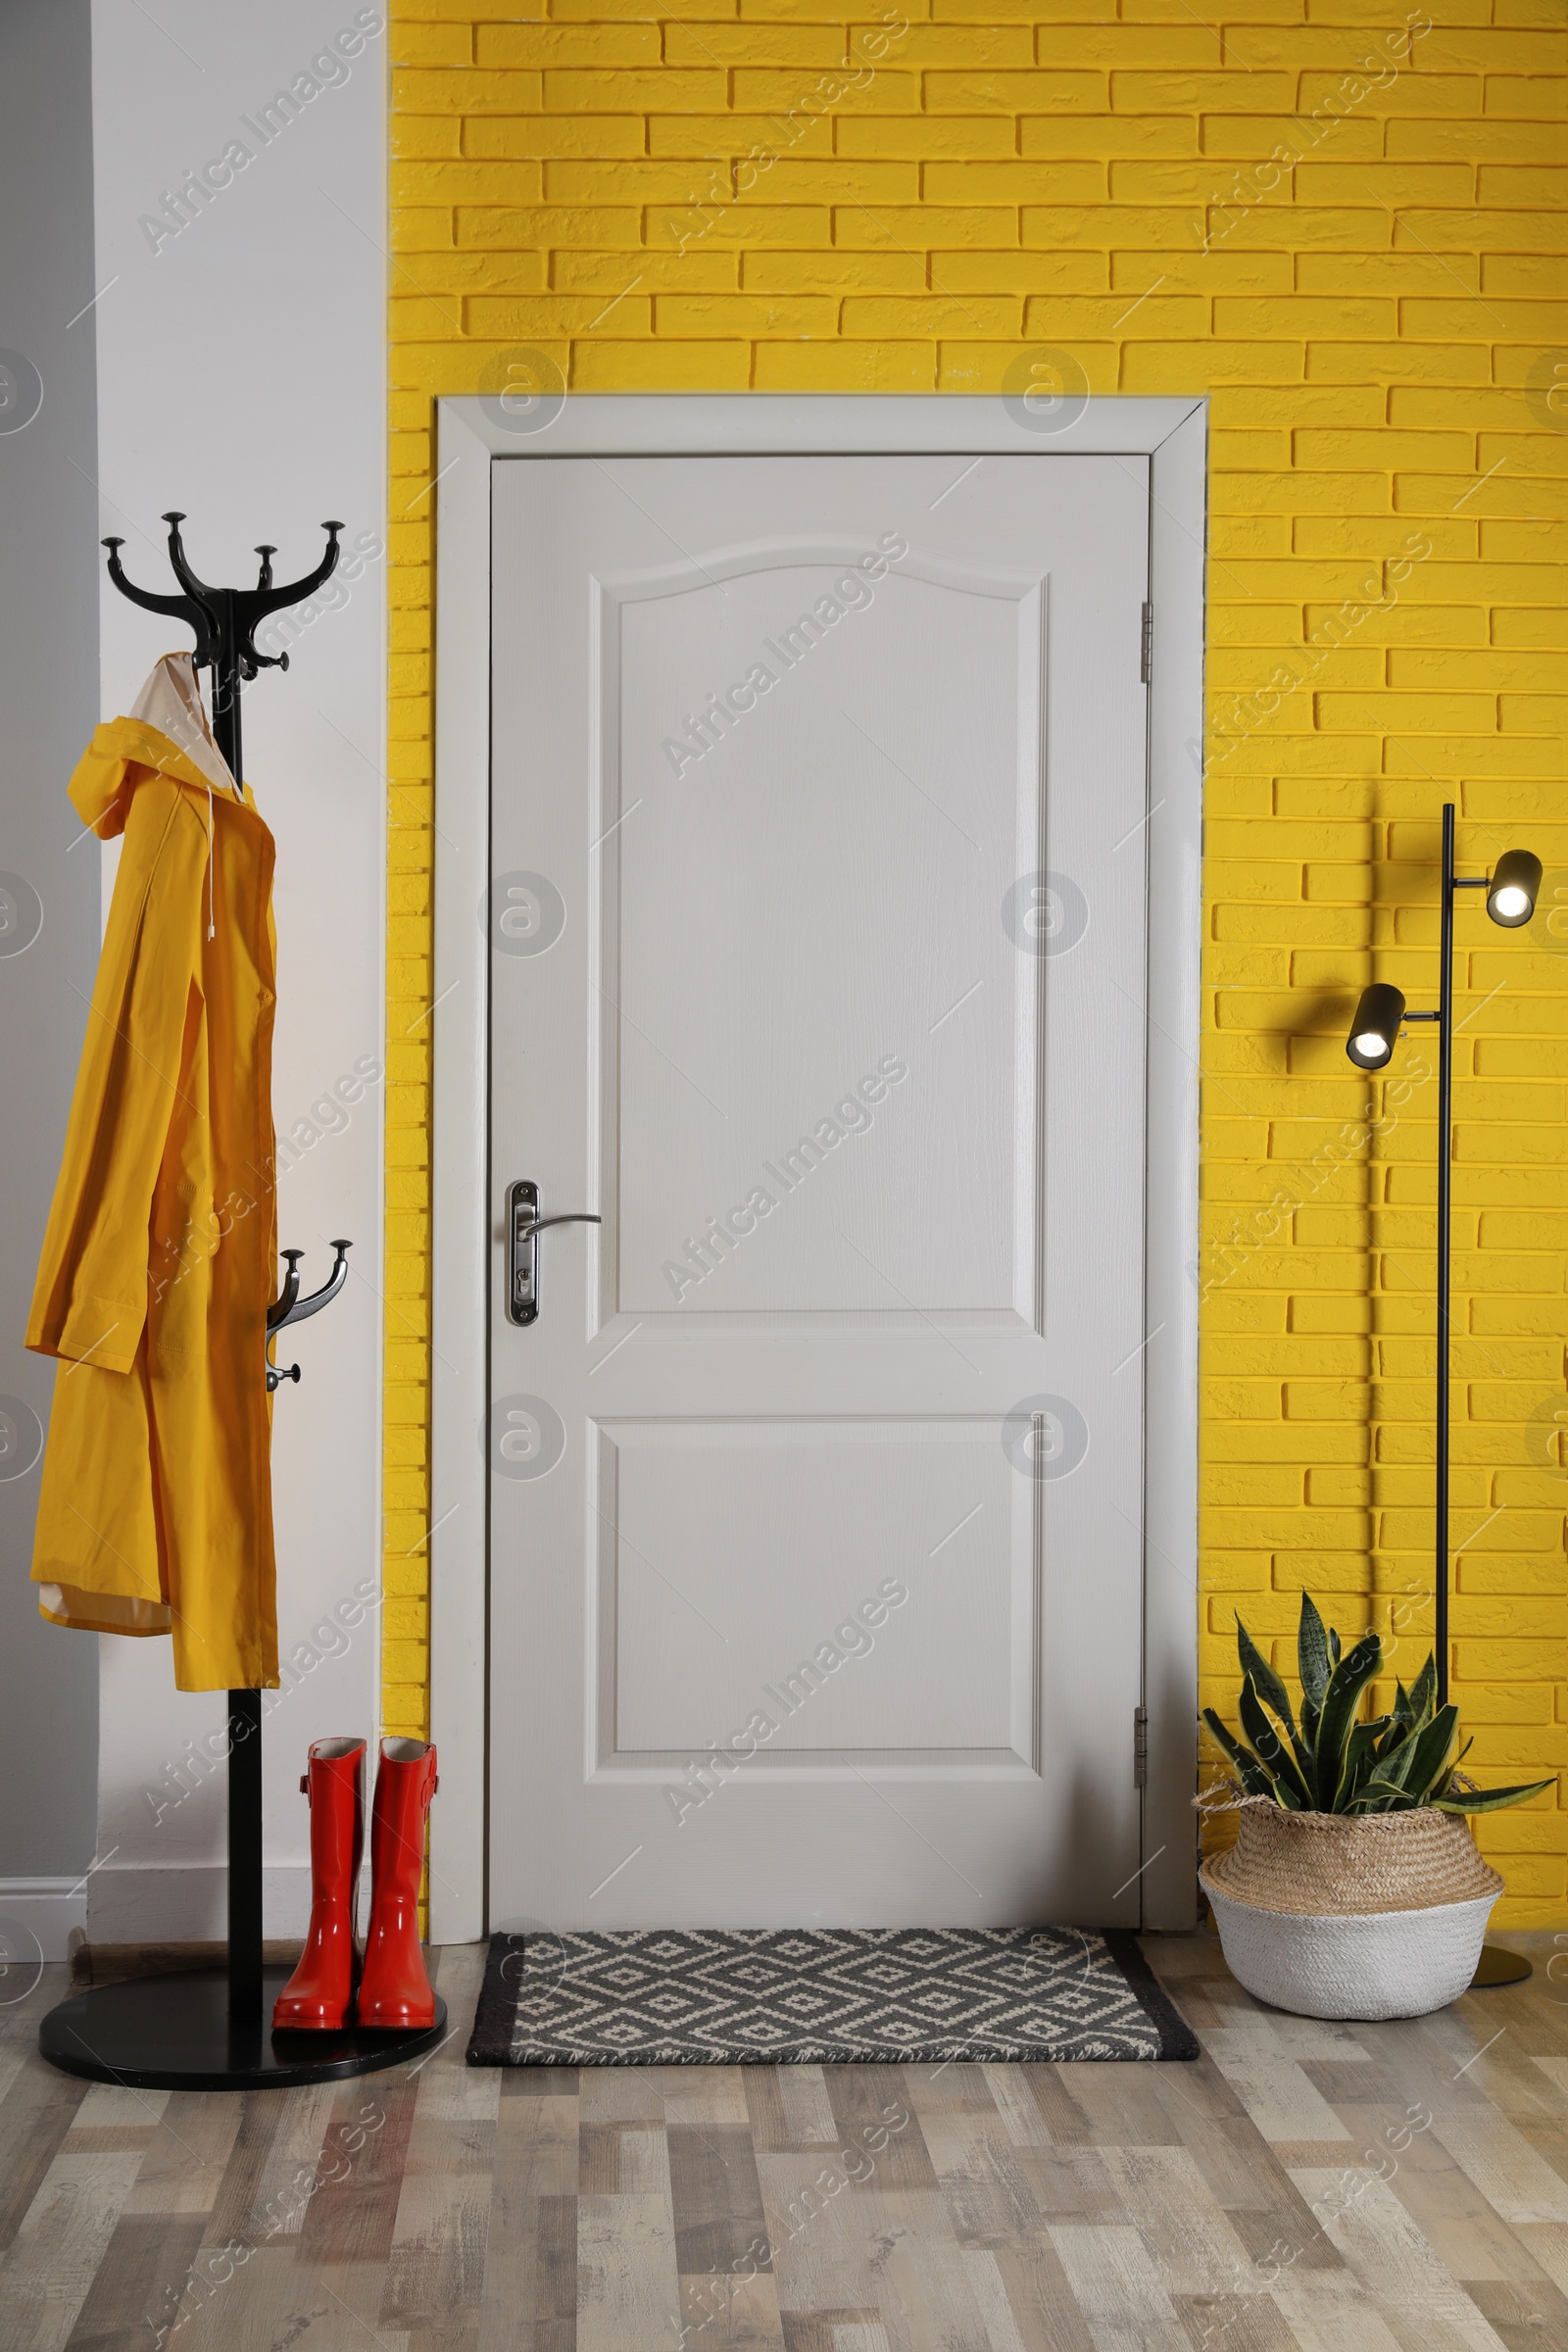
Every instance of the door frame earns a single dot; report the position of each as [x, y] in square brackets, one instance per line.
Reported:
[474, 434]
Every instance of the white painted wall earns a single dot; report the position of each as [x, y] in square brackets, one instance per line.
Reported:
[241, 378]
[48, 916]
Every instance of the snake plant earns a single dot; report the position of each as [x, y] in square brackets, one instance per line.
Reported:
[1335, 1762]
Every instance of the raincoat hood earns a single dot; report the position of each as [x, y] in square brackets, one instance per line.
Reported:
[165, 734]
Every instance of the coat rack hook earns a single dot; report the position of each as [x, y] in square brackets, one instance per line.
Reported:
[225, 620]
[181, 568]
[265, 598]
[278, 1313]
[197, 615]
[290, 1308]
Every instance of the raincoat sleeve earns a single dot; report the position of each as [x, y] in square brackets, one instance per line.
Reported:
[90, 1298]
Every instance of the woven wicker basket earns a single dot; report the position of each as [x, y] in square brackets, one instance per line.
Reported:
[1351, 1915]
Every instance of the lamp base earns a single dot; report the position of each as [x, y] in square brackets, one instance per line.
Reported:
[1498, 1966]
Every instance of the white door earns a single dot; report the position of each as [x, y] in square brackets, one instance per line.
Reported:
[817, 924]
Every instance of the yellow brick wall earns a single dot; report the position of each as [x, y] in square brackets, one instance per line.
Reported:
[1360, 265]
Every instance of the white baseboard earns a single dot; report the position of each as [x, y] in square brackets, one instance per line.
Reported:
[36, 1917]
[188, 1902]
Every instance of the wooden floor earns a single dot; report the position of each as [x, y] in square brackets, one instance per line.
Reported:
[1332, 2188]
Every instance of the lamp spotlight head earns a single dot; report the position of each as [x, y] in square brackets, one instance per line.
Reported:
[1376, 1026]
[1514, 887]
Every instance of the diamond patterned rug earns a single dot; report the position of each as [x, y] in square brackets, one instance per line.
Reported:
[821, 1997]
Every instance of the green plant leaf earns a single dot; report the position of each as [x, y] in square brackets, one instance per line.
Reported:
[1334, 1645]
[1486, 1801]
[1255, 1779]
[1396, 1727]
[1343, 1696]
[1273, 1694]
[1265, 1682]
[1312, 1658]
[1424, 1697]
[1270, 1750]
[1434, 1757]
[1381, 1795]
[1393, 1764]
[1360, 1754]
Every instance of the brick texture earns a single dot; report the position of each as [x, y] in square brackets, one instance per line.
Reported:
[1343, 221]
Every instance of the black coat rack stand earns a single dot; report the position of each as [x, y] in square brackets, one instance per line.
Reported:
[211, 2030]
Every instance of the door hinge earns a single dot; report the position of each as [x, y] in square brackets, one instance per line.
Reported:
[1140, 1747]
[1146, 660]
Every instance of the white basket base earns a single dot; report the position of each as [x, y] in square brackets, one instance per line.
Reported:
[1378, 1965]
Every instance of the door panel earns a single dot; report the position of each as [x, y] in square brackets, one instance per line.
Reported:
[910, 1661]
[759, 992]
[816, 1558]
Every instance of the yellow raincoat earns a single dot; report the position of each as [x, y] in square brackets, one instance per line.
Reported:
[156, 1509]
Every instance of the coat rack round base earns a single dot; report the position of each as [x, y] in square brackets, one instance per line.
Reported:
[178, 2032]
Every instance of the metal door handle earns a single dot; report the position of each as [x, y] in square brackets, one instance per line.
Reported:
[524, 1225]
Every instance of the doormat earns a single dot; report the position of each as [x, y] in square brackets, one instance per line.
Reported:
[821, 1997]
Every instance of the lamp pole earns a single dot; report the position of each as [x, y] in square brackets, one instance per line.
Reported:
[1511, 889]
[1451, 884]
[1443, 1017]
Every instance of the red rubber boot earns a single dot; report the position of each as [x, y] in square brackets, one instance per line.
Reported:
[394, 1990]
[319, 1993]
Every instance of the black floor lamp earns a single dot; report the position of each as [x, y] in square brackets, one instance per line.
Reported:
[1511, 889]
